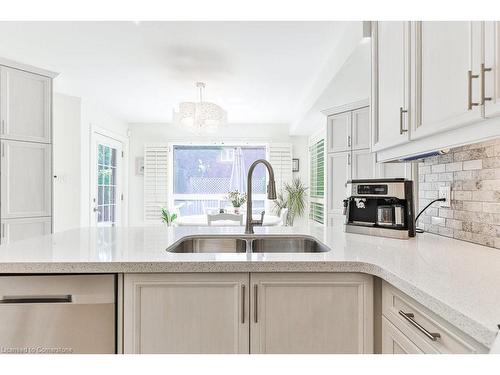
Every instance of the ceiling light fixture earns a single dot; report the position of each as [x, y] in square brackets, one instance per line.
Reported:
[201, 117]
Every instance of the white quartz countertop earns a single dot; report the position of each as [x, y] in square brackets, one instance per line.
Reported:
[457, 280]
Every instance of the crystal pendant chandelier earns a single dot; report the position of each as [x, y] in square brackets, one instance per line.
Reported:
[200, 117]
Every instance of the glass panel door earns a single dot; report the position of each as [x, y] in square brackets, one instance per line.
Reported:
[107, 198]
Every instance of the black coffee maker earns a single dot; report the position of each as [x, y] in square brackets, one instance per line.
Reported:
[380, 207]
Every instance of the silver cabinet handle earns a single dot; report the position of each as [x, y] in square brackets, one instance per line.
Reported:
[349, 159]
[470, 76]
[484, 98]
[348, 141]
[243, 304]
[255, 305]
[68, 298]
[401, 129]
[410, 318]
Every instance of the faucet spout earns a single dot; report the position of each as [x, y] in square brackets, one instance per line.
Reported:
[271, 194]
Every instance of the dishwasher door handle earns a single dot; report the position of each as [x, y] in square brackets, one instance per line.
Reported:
[67, 298]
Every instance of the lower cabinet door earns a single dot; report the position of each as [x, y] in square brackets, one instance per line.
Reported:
[311, 313]
[186, 313]
[394, 342]
[24, 228]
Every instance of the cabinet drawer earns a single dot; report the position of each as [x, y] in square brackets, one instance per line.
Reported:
[420, 323]
[394, 342]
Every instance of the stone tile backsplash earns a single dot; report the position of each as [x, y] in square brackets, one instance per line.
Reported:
[473, 172]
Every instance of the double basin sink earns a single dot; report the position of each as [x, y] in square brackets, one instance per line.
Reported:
[211, 244]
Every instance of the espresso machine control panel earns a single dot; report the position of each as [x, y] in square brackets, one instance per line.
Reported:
[380, 207]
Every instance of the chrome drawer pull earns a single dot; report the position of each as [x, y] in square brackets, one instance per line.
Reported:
[255, 298]
[37, 299]
[243, 304]
[410, 318]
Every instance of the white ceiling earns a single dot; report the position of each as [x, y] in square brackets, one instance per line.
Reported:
[258, 71]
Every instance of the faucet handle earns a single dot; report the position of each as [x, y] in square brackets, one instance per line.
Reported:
[259, 222]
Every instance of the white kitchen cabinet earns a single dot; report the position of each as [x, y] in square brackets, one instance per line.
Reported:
[25, 105]
[362, 165]
[360, 129]
[186, 313]
[490, 70]
[26, 179]
[390, 83]
[311, 313]
[24, 228]
[445, 76]
[339, 132]
[338, 172]
[349, 130]
[349, 156]
[394, 342]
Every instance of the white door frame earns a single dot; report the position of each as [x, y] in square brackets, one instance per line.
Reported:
[99, 132]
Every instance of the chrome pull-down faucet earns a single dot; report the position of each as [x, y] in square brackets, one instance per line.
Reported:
[271, 194]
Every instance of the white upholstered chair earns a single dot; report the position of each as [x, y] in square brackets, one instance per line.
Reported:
[224, 216]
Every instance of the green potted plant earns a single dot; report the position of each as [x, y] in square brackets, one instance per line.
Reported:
[293, 198]
[237, 199]
[167, 217]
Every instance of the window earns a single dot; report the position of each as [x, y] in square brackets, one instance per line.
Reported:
[106, 185]
[317, 181]
[202, 177]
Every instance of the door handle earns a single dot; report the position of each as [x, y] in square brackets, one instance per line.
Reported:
[484, 98]
[255, 303]
[68, 298]
[243, 304]
[470, 76]
[401, 111]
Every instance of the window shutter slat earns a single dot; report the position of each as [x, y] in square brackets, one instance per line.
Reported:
[280, 157]
[155, 182]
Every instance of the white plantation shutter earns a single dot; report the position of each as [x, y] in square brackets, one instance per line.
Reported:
[155, 182]
[280, 157]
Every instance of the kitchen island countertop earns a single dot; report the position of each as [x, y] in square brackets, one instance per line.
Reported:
[457, 280]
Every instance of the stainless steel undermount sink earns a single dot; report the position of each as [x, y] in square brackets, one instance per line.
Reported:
[209, 245]
[268, 244]
[287, 245]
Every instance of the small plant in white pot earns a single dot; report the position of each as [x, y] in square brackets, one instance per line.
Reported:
[168, 217]
[237, 199]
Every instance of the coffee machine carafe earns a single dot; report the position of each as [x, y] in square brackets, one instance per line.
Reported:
[380, 207]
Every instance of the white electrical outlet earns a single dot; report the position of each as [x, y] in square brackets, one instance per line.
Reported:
[445, 192]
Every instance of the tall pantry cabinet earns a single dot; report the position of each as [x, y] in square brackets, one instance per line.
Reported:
[25, 151]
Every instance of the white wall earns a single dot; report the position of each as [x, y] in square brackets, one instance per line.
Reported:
[352, 83]
[141, 134]
[73, 118]
[67, 161]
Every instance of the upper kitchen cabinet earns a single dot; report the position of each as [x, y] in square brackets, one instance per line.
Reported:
[349, 130]
[390, 83]
[25, 107]
[360, 129]
[445, 76]
[490, 70]
[339, 132]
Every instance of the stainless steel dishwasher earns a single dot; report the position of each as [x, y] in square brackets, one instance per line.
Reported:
[57, 314]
